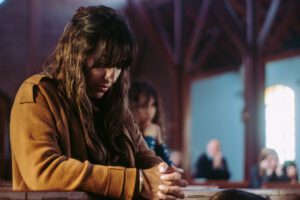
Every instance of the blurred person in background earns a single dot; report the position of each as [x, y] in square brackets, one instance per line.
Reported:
[267, 170]
[290, 171]
[146, 106]
[212, 165]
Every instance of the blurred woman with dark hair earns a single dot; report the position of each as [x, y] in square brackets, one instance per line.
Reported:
[290, 171]
[146, 107]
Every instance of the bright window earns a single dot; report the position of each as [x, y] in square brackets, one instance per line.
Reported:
[280, 121]
[1, 1]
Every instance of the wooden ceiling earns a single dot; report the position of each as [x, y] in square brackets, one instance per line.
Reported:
[211, 35]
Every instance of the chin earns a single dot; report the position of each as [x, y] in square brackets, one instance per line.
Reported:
[98, 95]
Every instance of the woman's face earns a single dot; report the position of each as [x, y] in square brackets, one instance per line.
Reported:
[100, 79]
[146, 109]
[291, 171]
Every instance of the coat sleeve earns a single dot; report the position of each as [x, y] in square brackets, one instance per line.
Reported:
[42, 166]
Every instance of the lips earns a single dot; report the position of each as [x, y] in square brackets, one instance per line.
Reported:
[102, 88]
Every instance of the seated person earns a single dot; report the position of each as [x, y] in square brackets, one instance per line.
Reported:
[71, 127]
[212, 165]
[176, 158]
[146, 108]
[267, 170]
[290, 171]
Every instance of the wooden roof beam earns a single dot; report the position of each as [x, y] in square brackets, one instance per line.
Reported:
[234, 16]
[288, 8]
[229, 26]
[264, 32]
[197, 34]
[146, 24]
[162, 33]
[157, 3]
[238, 6]
[209, 45]
[178, 31]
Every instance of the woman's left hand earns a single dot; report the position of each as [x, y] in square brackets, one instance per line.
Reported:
[172, 182]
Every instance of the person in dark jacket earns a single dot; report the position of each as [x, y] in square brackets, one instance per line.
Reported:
[212, 165]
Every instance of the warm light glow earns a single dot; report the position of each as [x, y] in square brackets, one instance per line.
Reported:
[280, 121]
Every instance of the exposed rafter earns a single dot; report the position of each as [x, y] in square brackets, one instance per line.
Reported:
[146, 24]
[157, 3]
[178, 32]
[229, 25]
[197, 34]
[274, 40]
[209, 46]
[271, 14]
[161, 30]
[234, 17]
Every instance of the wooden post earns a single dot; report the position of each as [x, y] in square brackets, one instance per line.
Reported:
[179, 88]
[254, 84]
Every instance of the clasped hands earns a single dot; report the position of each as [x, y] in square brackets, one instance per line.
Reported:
[163, 182]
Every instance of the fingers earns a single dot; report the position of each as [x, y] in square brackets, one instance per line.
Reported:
[171, 177]
[162, 167]
[165, 196]
[171, 169]
[180, 183]
[170, 192]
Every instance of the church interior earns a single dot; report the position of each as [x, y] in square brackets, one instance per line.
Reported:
[224, 70]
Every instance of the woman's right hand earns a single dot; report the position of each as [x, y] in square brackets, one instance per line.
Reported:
[163, 182]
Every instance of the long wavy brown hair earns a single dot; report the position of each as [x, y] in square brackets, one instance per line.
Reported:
[95, 30]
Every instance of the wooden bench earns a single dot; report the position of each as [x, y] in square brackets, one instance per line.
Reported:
[191, 193]
[220, 183]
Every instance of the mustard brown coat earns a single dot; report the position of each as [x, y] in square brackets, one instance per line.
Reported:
[49, 152]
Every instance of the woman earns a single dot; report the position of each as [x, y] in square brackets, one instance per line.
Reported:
[267, 170]
[71, 128]
[290, 171]
[146, 108]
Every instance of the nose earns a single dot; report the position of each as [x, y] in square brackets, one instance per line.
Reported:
[109, 74]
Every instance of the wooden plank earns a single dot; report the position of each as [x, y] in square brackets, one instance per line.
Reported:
[229, 27]
[209, 46]
[146, 24]
[235, 18]
[46, 195]
[162, 33]
[207, 74]
[288, 8]
[157, 3]
[10, 195]
[254, 80]
[178, 32]
[264, 32]
[197, 34]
